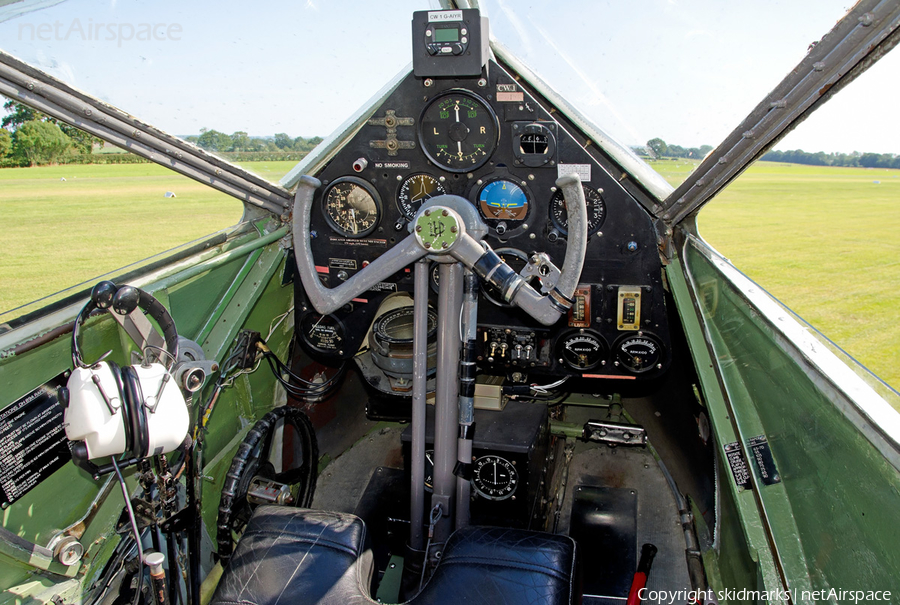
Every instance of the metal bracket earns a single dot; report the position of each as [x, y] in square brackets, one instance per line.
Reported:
[614, 433]
[540, 266]
[390, 121]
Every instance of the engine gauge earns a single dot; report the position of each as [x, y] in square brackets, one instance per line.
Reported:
[415, 190]
[322, 333]
[596, 210]
[352, 206]
[458, 131]
[494, 478]
[516, 259]
[639, 352]
[582, 350]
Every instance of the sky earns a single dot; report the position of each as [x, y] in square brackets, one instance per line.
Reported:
[684, 70]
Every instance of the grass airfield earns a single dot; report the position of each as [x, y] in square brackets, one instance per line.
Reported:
[822, 240]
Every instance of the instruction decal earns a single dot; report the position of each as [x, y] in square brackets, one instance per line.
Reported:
[33, 442]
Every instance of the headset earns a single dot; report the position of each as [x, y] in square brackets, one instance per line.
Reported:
[138, 410]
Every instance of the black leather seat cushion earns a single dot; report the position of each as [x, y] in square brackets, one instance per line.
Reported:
[295, 556]
[494, 565]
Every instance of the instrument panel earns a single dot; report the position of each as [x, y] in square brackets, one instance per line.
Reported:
[491, 141]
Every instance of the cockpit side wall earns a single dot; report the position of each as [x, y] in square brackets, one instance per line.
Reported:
[237, 285]
[822, 476]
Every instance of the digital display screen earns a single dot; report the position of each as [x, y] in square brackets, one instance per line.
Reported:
[446, 35]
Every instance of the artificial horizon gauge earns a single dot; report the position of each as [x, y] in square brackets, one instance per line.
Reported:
[458, 131]
[322, 333]
[582, 350]
[494, 478]
[415, 190]
[352, 206]
[596, 210]
[638, 353]
[504, 205]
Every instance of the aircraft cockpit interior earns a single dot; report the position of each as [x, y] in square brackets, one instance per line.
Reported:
[470, 349]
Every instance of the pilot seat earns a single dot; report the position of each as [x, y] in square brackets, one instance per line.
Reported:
[301, 556]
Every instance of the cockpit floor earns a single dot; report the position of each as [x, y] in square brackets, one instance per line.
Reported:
[633, 469]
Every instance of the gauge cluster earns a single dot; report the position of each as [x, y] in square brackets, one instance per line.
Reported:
[492, 141]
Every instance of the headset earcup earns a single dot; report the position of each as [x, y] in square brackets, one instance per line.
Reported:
[134, 403]
[116, 372]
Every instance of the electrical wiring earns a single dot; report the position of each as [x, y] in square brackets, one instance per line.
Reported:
[295, 385]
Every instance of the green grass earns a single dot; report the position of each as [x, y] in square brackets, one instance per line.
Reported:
[60, 233]
[826, 242]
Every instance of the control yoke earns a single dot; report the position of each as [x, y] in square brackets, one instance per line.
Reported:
[438, 229]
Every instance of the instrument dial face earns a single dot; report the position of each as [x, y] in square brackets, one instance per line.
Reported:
[458, 131]
[415, 190]
[639, 352]
[352, 206]
[495, 478]
[582, 350]
[503, 200]
[322, 333]
[596, 210]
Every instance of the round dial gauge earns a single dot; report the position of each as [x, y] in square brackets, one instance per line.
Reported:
[322, 333]
[596, 210]
[516, 259]
[352, 206]
[503, 200]
[495, 478]
[639, 352]
[582, 350]
[415, 190]
[458, 131]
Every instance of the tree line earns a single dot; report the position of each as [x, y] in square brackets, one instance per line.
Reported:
[820, 158]
[658, 149]
[30, 138]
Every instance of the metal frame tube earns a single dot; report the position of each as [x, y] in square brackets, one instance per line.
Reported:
[419, 391]
[446, 412]
[467, 394]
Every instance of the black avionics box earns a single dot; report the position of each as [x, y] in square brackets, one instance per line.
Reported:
[450, 43]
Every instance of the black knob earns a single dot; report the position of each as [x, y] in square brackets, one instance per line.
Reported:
[62, 393]
[102, 294]
[126, 300]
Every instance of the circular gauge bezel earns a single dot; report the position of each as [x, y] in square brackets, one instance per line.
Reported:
[514, 226]
[649, 367]
[334, 324]
[480, 487]
[491, 293]
[407, 210]
[562, 347]
[380, 329]
[595, 223]
[365, 185]
[492, 139]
